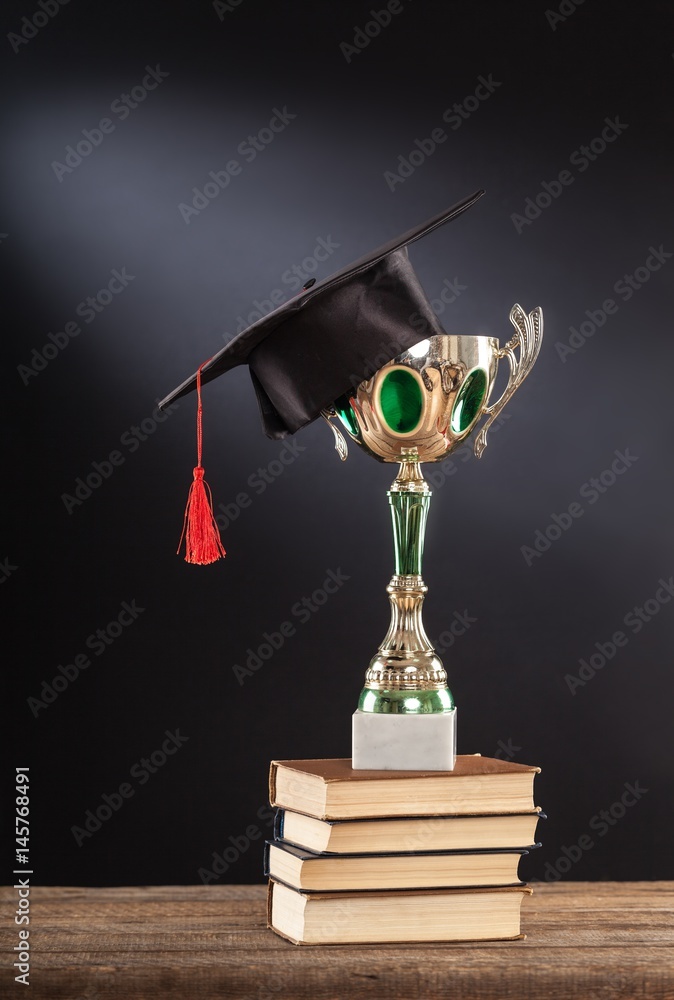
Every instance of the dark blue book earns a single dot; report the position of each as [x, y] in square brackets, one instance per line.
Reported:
[310, 872]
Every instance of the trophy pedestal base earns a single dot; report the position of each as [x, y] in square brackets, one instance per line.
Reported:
[389, 742]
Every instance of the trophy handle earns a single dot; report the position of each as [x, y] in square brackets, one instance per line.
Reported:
[341, 446]
[528, 337]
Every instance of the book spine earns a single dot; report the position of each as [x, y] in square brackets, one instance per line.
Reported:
[272, 782]
[270, 893]
[266, 859]
[278, 824]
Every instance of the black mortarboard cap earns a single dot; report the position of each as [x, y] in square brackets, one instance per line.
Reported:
[326, 340]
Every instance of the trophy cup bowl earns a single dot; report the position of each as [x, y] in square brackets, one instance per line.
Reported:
[420, 407]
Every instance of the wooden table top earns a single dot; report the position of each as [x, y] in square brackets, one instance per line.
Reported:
[584, 939]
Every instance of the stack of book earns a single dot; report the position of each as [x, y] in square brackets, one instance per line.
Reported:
[398, 856]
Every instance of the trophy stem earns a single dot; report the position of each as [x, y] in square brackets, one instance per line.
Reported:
[410, 499]
[406, 676]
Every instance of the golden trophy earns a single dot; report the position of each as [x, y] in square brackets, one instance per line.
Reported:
[418, 408]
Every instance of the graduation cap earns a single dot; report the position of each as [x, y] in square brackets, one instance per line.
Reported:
[315, 348]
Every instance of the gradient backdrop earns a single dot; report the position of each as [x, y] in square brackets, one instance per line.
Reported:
[73, 563]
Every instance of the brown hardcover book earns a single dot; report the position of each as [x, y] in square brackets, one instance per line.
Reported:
[407, 833]
[402, 916]
[305, 870]
[331, 789]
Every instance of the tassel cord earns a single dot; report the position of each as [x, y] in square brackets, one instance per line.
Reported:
[200, 533]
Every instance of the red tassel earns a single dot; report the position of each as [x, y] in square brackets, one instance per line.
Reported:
[200, 529]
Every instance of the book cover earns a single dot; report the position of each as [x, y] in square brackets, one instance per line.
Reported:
[331, 789]
[404, 916]
[311, 872]
[391, 834]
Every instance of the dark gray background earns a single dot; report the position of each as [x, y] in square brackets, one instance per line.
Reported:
[323, 176]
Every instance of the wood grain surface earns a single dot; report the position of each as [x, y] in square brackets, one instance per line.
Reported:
[584, 940]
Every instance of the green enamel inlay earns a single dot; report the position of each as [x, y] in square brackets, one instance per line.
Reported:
[345, 413]
[406, 702]
[409, 512]
[401, 400]
[469, 401]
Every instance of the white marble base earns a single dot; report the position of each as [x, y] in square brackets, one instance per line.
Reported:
[404, 742]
